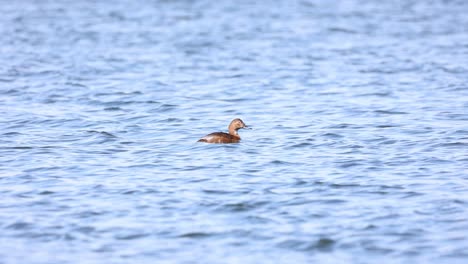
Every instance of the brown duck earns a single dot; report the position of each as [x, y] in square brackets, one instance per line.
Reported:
[221, 137]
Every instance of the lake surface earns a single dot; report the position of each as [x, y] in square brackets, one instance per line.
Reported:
[359, 152]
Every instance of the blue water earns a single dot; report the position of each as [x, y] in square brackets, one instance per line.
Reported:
[359, 152]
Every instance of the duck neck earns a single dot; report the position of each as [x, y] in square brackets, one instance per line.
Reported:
[233, 131]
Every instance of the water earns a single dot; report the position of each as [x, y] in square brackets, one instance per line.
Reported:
[359, 151]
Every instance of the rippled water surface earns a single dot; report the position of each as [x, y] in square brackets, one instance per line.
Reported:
[359, 152]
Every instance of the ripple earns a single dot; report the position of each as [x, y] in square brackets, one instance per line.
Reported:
[130, 236]
[358, 151]
[196, 235]
[19, 226]
[322, 244]
[390, 112]
[301, 145]
[376, 94]
[20, 147]
[102, 133]
[242, 206]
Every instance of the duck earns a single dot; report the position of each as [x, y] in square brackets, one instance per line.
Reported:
[224, 138]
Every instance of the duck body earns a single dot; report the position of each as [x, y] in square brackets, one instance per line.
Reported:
[225, 138]
[219, 138]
